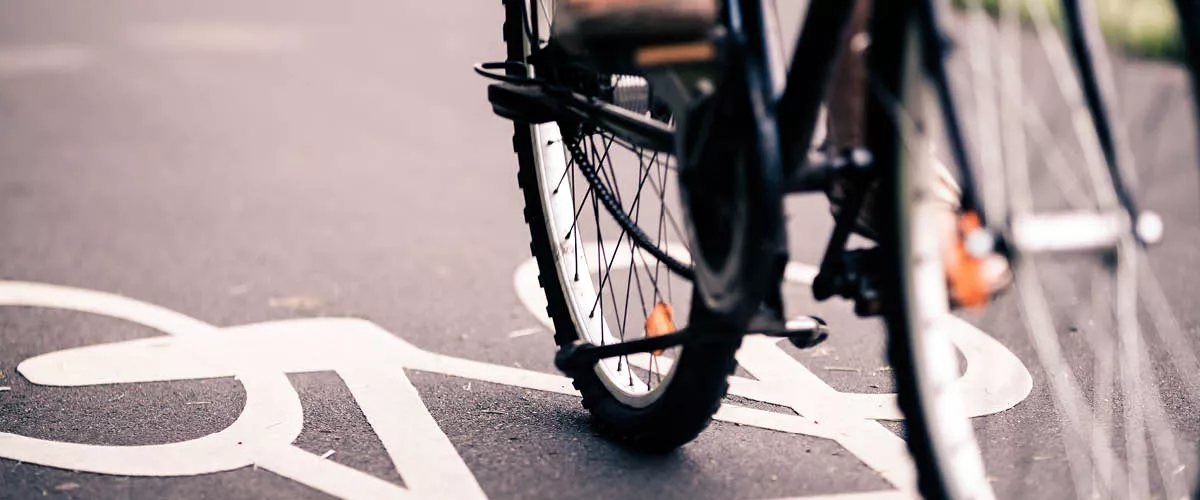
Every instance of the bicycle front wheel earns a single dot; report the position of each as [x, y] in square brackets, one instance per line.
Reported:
[1114, 370]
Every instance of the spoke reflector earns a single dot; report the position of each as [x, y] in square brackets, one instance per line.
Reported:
[964, 272]
[659, 322]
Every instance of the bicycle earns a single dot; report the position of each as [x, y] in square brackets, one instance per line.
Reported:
[733, 142]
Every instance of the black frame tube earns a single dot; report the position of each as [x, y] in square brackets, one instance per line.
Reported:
[934, 48]
[1083, 37]
[817, 48]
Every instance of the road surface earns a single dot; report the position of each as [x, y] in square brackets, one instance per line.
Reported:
[202, 181]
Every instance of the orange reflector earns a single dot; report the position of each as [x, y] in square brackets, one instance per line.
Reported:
[660, 322]
[964, 272]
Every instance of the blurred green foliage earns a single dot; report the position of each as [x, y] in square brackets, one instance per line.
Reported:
[1146, 28]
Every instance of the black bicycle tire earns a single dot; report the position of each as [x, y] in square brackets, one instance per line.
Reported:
[889, 28]
[699, 383]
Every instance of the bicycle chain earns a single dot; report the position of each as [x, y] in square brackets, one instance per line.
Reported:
[614, 208]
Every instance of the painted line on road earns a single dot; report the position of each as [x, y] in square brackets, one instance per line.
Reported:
[421, 452]
[217, 37]
[371, 361]
[866, 495]
[30, 60]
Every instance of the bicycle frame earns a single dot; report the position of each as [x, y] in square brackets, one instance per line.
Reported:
[783, 126]
[781, 123]
[790, 117]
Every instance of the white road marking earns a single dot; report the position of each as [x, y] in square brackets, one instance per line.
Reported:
[372, 361]
[231, 38]
[329, 477]
[995, 379]
[421, 452]
[268, 399]
[524, 332]
[26, 60]
[866, 495]
[272, 417]
[791, 384]
[533, 298]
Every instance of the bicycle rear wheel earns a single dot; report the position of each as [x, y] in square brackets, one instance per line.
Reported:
[1114, 368]
[600, 286]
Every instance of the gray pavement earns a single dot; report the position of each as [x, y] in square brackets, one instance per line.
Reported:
[244, 162]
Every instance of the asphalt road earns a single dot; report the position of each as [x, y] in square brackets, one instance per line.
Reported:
[246, 162]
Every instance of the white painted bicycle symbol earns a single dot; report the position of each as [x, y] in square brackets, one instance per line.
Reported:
[371, 362]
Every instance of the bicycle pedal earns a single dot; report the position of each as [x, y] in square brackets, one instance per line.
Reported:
[804, 332]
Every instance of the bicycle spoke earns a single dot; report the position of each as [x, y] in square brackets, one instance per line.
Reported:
[637, 201]
[651, 171]
[1105, 348]
[671, 217]
[658, 183]
[1105, 362]
[1129, 357]
[1151, 128]
[1015, 156]
[637, 215]
[1170, 333]
[1028, 114]
[991, 156]
[579, 210]
[1068, 398]
[1162, 438]
[621, 326]
[662, 215]
[1070, 89]
[608, 267]
[601, 160]
[566, 172]
[599, 242]
[635, 149]
[1118, 367]
[597, 169]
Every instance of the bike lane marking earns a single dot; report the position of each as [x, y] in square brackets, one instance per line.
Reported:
[369, 359]
[261, 435]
